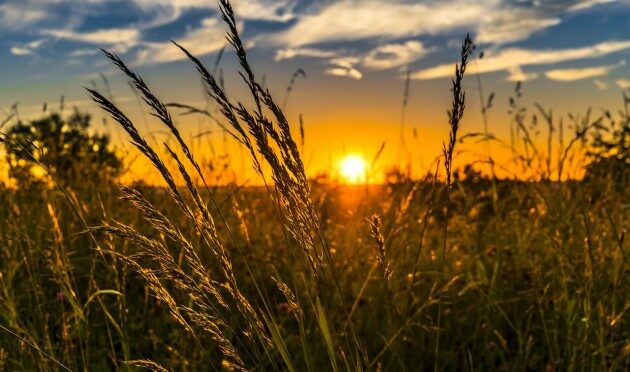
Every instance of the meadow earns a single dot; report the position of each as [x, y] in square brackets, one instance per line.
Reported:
[458, 270]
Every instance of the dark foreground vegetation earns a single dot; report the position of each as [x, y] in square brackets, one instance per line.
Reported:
[456, 271]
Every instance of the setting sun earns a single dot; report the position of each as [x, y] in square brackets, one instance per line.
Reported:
[353, 169]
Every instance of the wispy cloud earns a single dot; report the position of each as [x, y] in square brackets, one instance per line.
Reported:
[516, 24]
[21, 51]
[83, 52]
[20, 15]
[572, 74]
[511, 58]
[359, 20]
[290, 53]
[208, 38]
[516, 73]
[394, 55]
[121, 38]
[268, 10]
[28, 48]
[586, 4]
[42, 16]
[350, 72]
[346, 64]
[494, 21]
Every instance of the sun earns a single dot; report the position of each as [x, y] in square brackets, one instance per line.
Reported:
[353, 169]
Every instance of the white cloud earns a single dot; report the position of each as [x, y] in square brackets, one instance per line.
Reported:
[19, 51]
[394, 55]
[203, 40]
[83, 52]
[517, 74]
[572, 74]
[494, 21]
[152, 13]
[585, 4]
[357, 20]
[380, 58]
[346, 62]
[19, 15]
[290, 53]
[346, 67]
[514, 25]
[508, 59]
[268, 10]
[623, 83]
[207, 37]
[28, 48]
[122, 38]
[351, 72]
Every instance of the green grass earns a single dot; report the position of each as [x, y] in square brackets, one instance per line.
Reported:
[541, 282]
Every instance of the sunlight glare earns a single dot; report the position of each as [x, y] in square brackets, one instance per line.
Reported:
[353, 169]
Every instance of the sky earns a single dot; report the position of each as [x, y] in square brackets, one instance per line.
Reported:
[569, 54]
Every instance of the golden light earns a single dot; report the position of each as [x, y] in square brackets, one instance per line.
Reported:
[352, 169]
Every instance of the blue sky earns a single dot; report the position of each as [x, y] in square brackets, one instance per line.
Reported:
[571, 54]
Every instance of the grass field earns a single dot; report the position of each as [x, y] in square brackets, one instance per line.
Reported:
[459, 270]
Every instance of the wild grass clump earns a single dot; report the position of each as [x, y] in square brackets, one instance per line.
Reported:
[214, 290]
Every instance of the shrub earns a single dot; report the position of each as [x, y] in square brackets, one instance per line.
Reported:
[64, 147]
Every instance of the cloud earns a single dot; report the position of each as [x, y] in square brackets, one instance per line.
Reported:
[358, 20]
[202, 40]
[346, 67]
[586, 4]
[380, 58]
[572, 74]
[290, 53]
[517, 74]
[122, 38]
[519, 24]
[267, 10]
[20, 15]
[19, 51]
[623, 83]
[394, 55]
[28, 48]
[494, 21]
[351, 72]
[207, 37]
[83, 53]
[346, 62]
[509, 59]
[44, 16]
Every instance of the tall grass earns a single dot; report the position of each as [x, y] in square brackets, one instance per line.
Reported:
[455, 116]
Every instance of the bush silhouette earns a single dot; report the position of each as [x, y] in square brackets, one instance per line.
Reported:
[64, 147]
[610, 149]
